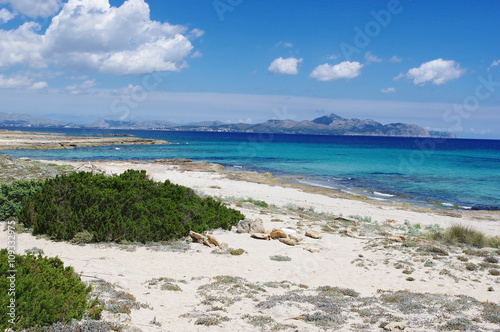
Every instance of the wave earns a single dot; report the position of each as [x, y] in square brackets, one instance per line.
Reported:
[382, 194]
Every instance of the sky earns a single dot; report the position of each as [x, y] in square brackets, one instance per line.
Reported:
[431, 63]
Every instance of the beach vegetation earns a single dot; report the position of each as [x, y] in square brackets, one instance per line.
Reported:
[13, 194]
[459, 234]
[128, 207]
[46, 292]
[280, 258]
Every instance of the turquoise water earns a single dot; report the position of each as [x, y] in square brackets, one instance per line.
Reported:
[457, 173]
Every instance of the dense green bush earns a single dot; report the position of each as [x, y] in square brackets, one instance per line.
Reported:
[127, 207]
[12, 195]
[45, 292]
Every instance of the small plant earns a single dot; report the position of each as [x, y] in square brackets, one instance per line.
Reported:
[471, 266]
[494, 272]
[236, 252]
[82, 238]
[280, 258]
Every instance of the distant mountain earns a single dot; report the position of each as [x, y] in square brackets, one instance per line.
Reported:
[115, 124]
[25, 120]
[326, 125]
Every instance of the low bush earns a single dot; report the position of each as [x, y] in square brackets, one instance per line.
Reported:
[45, 292]
[129, 207]
[13, 194]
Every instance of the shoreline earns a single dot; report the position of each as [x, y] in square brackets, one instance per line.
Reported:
[332, 201]
[25, 140]
[370, 250]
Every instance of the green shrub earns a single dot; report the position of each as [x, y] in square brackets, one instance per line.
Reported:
[12, 196]
[127, 207]
[45, 293]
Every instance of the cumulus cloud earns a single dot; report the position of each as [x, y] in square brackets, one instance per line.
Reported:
[284, 66]
[437, 72]
[369, 57]
[35, 8]
[6, 15]
[19, 81]
[95, 36]
[345, 69]
[388, 90]
[494, 64]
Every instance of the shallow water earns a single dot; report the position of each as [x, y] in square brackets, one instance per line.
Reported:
[459, 173]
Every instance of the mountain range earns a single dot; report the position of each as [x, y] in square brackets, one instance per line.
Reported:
[326, 125]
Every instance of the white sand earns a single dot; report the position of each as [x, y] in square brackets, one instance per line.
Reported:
[336, 264]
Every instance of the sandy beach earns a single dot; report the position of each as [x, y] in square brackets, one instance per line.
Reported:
[363, 253]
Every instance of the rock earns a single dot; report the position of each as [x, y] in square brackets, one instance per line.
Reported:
[394, 325]
[311, 249]
[398, 238]
[244, 226]
[196, 236]
[289, 231]
[208, 243]
[290, 242]
[223, 246]
[262, 236]
[257, 226]
[313, 234]
[213, 240]
[278, 233]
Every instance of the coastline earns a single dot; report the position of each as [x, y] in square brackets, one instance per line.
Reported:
[362, 250]
[39, 141]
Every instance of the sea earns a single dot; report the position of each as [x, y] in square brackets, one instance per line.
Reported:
[429, 172]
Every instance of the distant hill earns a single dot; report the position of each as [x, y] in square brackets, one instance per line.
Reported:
[25, 120]
[326, 125]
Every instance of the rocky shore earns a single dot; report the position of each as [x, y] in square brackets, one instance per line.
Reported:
[31, 140]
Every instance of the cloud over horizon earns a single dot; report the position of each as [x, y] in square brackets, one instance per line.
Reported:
[345, 69]
[90, 35]
[437, 72]
[286, 66]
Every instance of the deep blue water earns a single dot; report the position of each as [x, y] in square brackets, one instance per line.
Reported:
[462, 173]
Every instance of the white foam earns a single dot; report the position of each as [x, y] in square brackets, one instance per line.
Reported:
[382, 194]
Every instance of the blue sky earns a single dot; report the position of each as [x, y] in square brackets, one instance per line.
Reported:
[432, 63]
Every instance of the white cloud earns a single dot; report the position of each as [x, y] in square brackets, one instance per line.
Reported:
[19, 81]
[437, 72]
[284, 66]
[345, 69]
[284, 44]
[39, 85]
[94, 36]
[6, 15]
[400, 76]
[196, 54]
[35, 8]
[388, 90]
[372, 58]
[494, 64]
[333, 57]
[395, 59]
